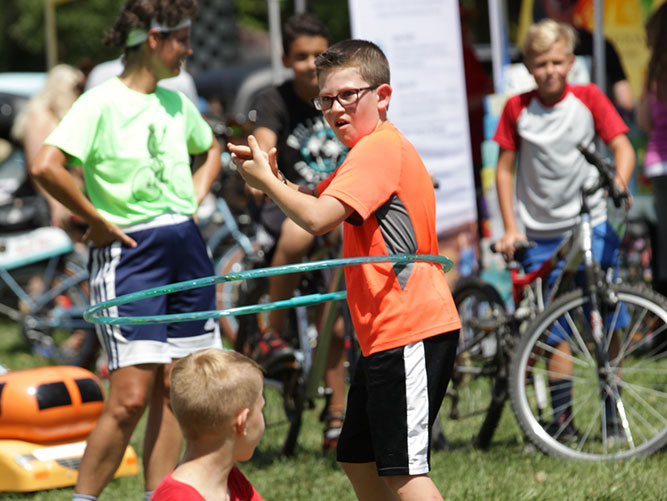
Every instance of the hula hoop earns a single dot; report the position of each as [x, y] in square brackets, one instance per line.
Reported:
[93, 314]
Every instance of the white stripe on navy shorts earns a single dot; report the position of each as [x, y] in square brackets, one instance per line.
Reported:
[165, 254]
[392, 404]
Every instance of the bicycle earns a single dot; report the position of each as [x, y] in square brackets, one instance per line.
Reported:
[43, 278]
[46, 253]
[620, 371]
[294, 387]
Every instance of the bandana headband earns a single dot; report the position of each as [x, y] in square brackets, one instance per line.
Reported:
[137, 36]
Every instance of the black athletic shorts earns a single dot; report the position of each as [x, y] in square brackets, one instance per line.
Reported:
[393, 402]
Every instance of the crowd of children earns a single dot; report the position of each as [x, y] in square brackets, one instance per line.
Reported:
[134, 141]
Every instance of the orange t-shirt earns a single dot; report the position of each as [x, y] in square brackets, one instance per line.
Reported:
[384, 180]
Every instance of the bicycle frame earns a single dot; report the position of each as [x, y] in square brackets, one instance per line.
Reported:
[575, 250]
[43, 244]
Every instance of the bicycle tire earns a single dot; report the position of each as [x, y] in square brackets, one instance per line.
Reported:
[39, 327]
[284, 389]
[476, 395]
[227, 293]
[637, 368]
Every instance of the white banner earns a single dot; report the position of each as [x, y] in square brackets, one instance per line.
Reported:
[422, 40]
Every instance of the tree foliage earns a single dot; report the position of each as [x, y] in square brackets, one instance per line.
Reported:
[81, 25]
[254, 13]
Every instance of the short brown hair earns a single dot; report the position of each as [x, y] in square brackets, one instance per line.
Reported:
[305, 24]
[139, 13]
[367, 57]
[543, 35]
[210, 386]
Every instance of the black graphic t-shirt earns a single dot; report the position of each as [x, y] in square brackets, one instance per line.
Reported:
[308, 150]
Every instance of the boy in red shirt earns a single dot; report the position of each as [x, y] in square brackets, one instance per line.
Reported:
[539, 131]
[404, 315]
[217, 398]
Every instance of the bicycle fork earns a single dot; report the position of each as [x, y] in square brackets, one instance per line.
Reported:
[606, 377]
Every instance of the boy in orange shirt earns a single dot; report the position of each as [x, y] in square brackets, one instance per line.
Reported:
[404, 315]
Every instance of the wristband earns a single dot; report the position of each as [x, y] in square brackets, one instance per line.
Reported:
[282, 176]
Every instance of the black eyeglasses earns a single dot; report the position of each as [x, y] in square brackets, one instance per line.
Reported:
[345, 98]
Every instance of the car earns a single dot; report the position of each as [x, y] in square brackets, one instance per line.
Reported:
[15, 90]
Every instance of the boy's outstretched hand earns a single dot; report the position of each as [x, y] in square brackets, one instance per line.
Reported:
[255, 166]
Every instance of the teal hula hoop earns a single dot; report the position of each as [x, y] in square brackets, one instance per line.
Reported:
[94, 313]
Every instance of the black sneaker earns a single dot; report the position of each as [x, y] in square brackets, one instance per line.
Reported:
[615, 433]
[563, 429]
[273, 353]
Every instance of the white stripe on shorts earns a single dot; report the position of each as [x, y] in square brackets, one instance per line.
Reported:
[416, 397]
[103, 287]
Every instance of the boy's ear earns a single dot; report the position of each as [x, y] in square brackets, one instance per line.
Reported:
[384, 96]
[286, 61]
[527, 64]
[153, 38]
[240, 422]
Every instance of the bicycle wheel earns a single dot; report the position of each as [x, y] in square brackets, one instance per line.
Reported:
[476, 395]
[613, 412]
[227, 293]
[53, 324]
[283, 389]
[235, 260]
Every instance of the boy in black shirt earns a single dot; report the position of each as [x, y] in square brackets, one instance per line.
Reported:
[308, 152]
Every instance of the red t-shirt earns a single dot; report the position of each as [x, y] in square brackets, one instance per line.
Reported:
[384, 180]
[240, 489]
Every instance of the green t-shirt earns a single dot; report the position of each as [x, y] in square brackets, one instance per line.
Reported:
[135, 150]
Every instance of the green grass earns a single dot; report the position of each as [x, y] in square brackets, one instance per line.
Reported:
[509, 470]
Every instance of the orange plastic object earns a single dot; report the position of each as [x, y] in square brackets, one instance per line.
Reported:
[49, 404]
[28, 467]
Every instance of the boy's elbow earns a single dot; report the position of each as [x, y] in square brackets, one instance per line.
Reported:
[38, 168]
[315, 227]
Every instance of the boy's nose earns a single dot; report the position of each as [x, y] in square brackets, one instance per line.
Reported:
[336, 106]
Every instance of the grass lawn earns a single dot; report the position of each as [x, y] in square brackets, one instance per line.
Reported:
[509, 470]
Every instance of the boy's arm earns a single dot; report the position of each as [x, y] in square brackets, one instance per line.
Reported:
[49, 171]
[207, 172]
[317, 215]
[505, 189]
[624, 158]
[643, 111]
[266, 138]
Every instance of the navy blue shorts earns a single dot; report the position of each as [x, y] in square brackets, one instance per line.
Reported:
[392, 404]
[165, 254]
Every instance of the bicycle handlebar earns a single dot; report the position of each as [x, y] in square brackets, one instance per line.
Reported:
[607, 175]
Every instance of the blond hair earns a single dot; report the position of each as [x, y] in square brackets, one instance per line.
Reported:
[63, 86]
[210, 386]
[543, 35]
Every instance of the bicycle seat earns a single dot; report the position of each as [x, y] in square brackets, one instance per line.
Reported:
[27, 247]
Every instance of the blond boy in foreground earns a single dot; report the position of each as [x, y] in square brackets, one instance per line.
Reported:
[217, 398]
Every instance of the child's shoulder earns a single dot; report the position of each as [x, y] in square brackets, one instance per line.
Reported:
[518, 102]
[587, 92]
[385, 135]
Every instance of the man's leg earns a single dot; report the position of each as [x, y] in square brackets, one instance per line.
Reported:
[560, 370]
[129, 388]
[367, 484]
[163, 438]
[413, 488]
[334, 378]
[293, 244]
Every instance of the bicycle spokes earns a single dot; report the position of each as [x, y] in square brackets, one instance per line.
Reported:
[617, 401]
